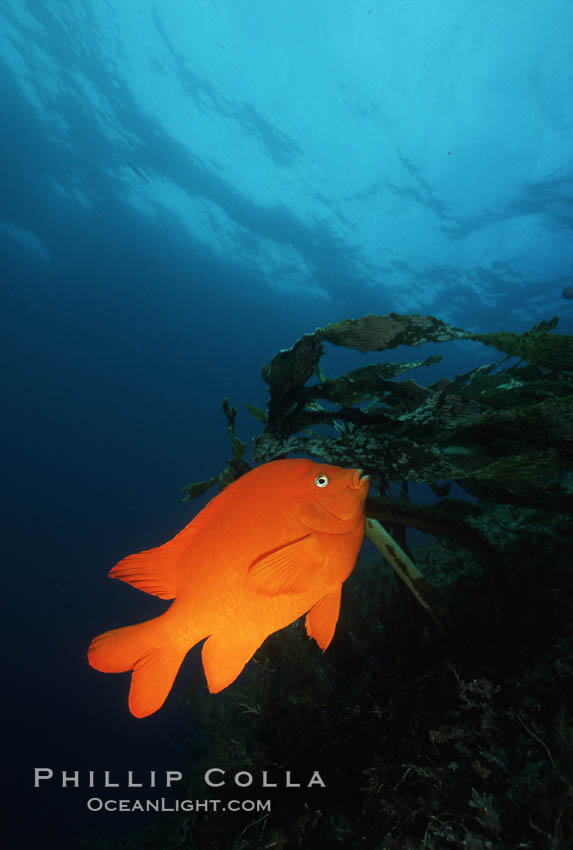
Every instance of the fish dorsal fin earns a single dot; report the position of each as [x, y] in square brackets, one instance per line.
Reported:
[284, 570]
[153, 570]
[156, 570]
[322, 618]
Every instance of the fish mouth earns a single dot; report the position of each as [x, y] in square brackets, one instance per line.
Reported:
[361, 479]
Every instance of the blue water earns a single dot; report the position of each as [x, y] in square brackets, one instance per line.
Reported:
[185, 188]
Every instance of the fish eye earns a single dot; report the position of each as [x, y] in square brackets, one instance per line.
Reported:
[321, 480]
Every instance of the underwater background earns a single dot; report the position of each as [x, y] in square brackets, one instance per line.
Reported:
[186, 187]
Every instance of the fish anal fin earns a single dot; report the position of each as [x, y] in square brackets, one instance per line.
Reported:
[224, 657]
[284, 570]
[321, 620]
[154, 571]
[152, 680]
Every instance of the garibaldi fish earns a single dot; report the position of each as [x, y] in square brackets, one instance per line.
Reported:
[275, 544]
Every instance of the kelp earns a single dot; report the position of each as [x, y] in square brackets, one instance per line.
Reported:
[453, 429]
[404, 568]
[434, 521]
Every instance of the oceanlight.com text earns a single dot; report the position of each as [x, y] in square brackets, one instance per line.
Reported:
[97, 804]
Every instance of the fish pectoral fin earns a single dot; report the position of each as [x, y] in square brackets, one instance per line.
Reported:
[285, 570]
[322, 618]
[224, 656]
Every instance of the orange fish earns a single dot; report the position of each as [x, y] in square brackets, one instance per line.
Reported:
[274, 545]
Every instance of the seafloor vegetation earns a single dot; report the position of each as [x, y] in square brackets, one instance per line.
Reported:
[446, 724]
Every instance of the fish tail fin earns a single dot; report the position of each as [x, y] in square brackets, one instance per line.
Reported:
[148, 650]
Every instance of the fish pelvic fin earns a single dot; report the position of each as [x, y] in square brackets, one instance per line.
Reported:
[149, 652]
[322, 618]
[224, 657]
